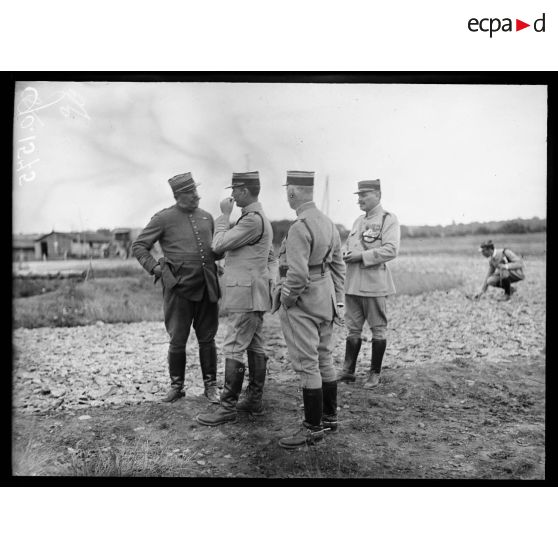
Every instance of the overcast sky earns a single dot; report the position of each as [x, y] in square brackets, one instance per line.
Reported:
[95, 155]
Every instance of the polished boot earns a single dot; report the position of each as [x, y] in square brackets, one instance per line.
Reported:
[312, 430]
[329, 417]
[352, 348]
[234, 375]
[506, 285]
[177, 369]
[208, 364]
[378, 350]
[252, 400]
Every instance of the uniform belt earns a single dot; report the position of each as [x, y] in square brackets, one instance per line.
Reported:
[318, 267]
[316, 271]
[312, 270]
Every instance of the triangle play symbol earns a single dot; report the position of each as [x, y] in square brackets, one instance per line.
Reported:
[519, 25]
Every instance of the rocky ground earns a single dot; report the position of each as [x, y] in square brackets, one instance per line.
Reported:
[462, 396]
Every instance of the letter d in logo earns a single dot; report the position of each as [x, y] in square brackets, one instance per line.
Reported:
[536, 24]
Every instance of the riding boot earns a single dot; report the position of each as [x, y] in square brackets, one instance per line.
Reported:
[329, 418]
[234, 375]
[177, 370]
[352, 348]
[251, 402]
[312, 430]
[208, 364]
[506, 285]
[378, 350]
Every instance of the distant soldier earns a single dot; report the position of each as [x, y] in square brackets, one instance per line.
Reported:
[312, 273]
[373, 241]
[504, 268]
[189, 277]
[250, 268]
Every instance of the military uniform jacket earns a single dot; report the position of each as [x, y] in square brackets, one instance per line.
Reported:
[506, 256]
[185, 239]
[250, 265]
[312, 264]
[377, 236]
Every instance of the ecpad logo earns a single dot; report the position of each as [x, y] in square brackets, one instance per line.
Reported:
[493, 25]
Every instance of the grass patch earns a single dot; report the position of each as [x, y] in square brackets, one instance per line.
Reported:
[30, 460]
[410, 282]
[111, 300]
[526, 245]
[139, 459]
[134, 298]
[24, 287]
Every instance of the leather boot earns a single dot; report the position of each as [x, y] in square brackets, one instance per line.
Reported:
[329, 417]
[378, 350]
[506, 285]
[312, 430]
[252, 400]
[234, 375]
[177, 369]
[208, 364]
[352, 348]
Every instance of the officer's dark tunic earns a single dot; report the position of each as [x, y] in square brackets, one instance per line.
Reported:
[190, 284]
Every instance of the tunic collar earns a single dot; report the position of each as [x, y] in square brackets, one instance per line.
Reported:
[188, 211]
[378, 210]
[305, 207]
[255, 206]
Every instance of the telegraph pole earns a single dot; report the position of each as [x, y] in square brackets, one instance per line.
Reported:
[325, 199]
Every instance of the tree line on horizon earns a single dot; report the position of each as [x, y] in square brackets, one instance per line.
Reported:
[512, 226]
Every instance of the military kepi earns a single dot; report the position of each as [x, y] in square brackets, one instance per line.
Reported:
[368, 186]
[300, 178]
[182, 182]
[488, 244]
[251, 178]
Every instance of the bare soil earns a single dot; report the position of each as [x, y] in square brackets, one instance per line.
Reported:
[462, 397]
[451, 420]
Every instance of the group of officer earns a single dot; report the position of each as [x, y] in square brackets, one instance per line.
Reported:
[311, 285]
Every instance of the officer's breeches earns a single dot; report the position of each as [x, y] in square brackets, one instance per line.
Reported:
[244, 333]
[371, 309]
[496, 281]
[180, 314]
[309, 345]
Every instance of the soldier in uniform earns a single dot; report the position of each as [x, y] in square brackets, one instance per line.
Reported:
[250, 268]
[189, 277]
[310, 291]
[504, 268]
[373, 241]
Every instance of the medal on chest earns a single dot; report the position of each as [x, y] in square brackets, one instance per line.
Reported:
[371, 233]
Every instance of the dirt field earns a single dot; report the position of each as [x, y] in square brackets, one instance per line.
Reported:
[462, 396]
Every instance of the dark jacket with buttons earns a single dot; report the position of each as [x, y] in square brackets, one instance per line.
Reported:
[185, 239]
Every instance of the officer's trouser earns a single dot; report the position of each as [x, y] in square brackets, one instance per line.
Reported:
[180, 314]
[371, 309]
[495, 280]
[244, 333]
[308, 342]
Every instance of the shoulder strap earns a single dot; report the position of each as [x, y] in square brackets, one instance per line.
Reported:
[263, 226]
[386, 213]
[324, 260]
[303, 221]
[379, 237]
